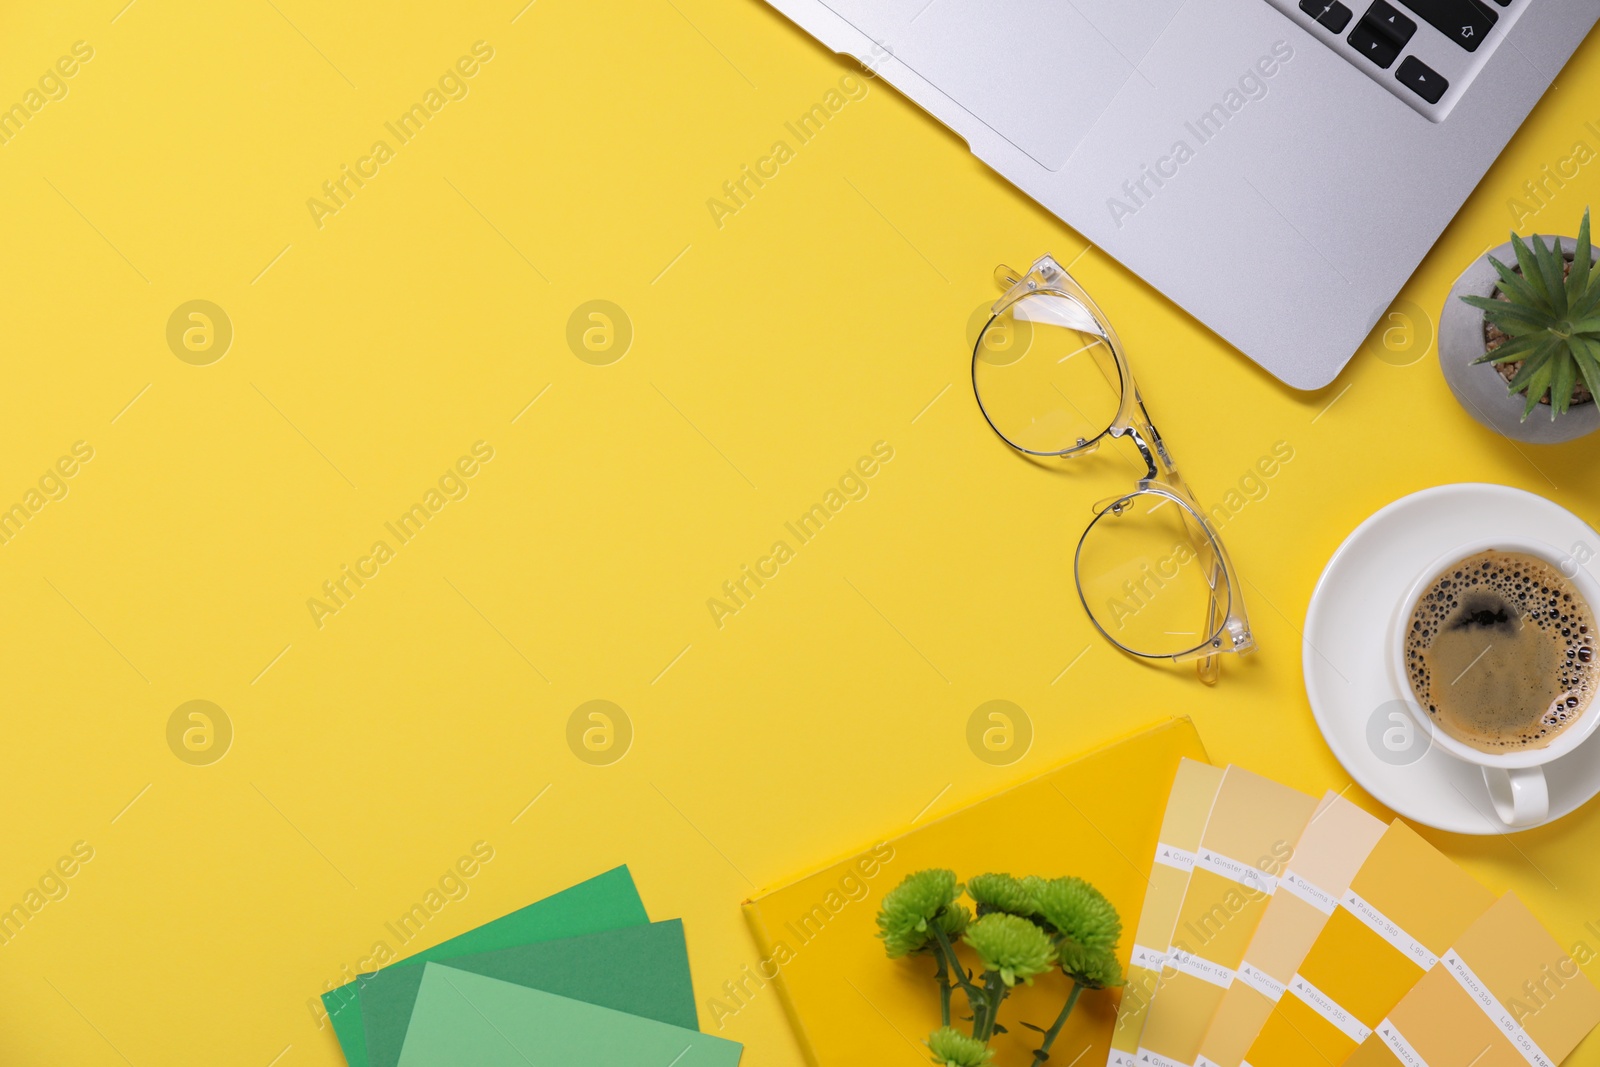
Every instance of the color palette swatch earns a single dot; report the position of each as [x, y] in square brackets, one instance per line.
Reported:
[1301, 932]
[1335, 843]
[1406, 905]
[1506, 994]
[1194, 789]
[583, 976]
[1248, 841]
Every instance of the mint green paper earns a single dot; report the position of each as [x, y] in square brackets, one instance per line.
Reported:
[642, 970]
[462, 1018]
[605, 902]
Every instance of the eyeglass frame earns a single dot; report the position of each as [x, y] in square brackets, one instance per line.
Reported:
[1048, 278]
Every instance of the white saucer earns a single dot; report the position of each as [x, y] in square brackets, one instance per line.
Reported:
[1346, 657]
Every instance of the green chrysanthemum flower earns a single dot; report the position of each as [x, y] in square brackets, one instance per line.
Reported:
[952, 1048]
[954, 921]
[1079, 912]
[909, 907]
[1094, 968]
[1000, 892]
[1011, 945]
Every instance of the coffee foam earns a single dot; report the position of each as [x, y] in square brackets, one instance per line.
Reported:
[1500, 650]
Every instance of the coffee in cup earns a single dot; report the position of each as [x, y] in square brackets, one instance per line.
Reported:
[1500, 651]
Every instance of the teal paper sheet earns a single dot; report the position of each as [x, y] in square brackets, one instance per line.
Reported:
[463, 1018]
[607, 901]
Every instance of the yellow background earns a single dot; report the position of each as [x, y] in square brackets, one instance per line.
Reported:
[768, 354]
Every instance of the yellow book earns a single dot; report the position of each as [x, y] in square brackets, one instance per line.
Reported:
[1097, 817]
[1405, 907]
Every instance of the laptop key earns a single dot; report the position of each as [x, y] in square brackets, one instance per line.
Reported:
[1466, 22]
[1416, 75]
[1374, 43]
[1336, 18]
[1392, 22]
[1331, 14]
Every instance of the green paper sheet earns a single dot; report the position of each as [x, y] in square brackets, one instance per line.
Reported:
[641, 970]
[463, 1018]
[605, 902]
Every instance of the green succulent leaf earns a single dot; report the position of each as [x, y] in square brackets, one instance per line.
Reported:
[1563, 377]
[1537, 384]
[1588, 304]
[1582, 259]
[1533, 365]
[1516, 348]
[1586, 353]
[1489, 303]
[1502, 313]
[1551, 270]
[1530, 272]
[1513, 285]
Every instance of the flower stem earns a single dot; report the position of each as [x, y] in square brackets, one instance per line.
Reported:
[1043, 1051]
[994, 992]
[942, 976]
[975, 999]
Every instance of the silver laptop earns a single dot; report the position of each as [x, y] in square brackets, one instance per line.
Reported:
[1276, 167]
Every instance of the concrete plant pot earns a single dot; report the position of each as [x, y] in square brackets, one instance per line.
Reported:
[1479, 388]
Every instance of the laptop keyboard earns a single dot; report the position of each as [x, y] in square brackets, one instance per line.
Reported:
[1425, 52]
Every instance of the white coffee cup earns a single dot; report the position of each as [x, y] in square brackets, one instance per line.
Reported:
[1515, 779]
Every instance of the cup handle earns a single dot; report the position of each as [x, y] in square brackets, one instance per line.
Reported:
[1520, 795]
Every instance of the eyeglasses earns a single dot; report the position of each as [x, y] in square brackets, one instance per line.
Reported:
[1052, 380]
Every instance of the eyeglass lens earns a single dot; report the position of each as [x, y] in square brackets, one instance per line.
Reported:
[1149, 576]
[1045, 375]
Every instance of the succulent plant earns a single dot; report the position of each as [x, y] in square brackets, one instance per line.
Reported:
[1549, 311]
